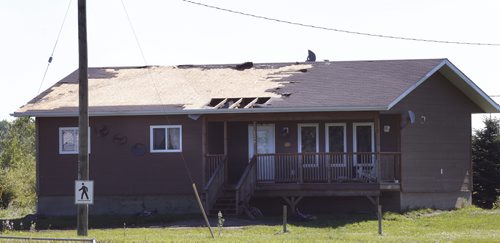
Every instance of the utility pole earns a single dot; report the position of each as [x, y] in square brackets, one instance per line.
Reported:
[83, 120]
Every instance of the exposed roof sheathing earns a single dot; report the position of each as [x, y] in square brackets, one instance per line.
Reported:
[163, 88]
[319, 86]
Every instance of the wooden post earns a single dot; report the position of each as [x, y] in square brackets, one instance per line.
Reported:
[202, 209]
[204, 149]
[226, 174]
[377, 146]
[379, 216]
[254, 138]
[83, 121]
[301, 169]
[284, 219]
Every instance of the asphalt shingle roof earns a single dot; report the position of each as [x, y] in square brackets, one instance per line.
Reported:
[341, 85]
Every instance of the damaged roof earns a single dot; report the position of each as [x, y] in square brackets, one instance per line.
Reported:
[267, 87]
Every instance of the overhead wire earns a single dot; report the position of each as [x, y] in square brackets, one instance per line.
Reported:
[54, 48]
[186, 167]
[154, 81]
[341, 30]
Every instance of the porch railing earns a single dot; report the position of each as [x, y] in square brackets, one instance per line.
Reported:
[328, 167]
[215, 182]
[246, 185]
[213, 161]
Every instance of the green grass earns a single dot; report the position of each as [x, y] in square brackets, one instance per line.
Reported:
[465, 225]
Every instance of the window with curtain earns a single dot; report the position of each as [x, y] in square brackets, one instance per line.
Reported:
[167, 138]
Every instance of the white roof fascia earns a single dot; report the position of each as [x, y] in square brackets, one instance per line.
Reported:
[472, 85]
[414, 86]
[199, 111]
[462, 76]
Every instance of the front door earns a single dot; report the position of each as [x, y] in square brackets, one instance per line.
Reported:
[265, 145]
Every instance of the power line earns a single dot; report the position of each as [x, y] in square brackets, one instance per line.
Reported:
[186, 167]
[155, 85]
[342, 30]
[54, 49]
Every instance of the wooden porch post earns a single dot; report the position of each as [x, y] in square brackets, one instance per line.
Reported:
[292, 202]
[377, 145]
[204, 149]
[255, 138]
[226, 176]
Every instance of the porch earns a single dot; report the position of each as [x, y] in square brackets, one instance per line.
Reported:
[294, 156]
[293, 176]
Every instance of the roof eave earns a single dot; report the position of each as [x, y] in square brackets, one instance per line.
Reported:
[198, 111]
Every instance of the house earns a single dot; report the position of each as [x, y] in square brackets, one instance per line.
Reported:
[319, 136]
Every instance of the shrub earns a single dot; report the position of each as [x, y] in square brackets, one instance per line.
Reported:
[496, 204]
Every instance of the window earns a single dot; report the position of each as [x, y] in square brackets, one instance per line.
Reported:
[166, 138]
[363, 143]
[308, 143]
[336, 141]
[68, 140]
[308, 138]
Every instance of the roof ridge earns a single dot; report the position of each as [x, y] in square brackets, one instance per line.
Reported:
[267, 63]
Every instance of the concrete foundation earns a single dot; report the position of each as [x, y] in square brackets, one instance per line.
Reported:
[440, 200]
[119, 205]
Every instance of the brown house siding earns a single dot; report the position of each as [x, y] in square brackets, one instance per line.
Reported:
[115, 169]
[441, 142]
[390, 141]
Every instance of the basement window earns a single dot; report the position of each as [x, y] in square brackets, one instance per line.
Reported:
[165, 138]
[68, 140]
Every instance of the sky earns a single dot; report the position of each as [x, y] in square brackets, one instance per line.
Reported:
[176, 32]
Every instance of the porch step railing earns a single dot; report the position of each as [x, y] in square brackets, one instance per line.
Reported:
[215, 182]
[213, 161]
[246, 185]
[362, 167]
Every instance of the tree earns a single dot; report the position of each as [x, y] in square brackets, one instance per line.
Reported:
[17, 164]
[4, 127]
[486, 163]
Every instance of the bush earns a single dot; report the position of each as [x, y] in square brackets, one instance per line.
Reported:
[17, 166]
[496, 204]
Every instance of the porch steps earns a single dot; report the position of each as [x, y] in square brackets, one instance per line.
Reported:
[226, 203]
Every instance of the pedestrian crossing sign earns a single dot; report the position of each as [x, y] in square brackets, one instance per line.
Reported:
[84, 192]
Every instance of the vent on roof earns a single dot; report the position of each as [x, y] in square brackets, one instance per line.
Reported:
[237, 103]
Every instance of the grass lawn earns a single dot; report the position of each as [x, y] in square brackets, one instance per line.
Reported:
[465, 225]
